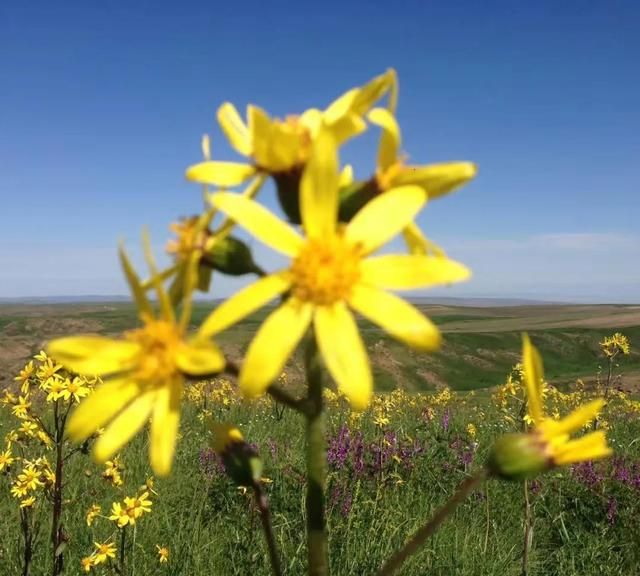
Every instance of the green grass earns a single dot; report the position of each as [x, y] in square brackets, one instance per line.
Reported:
[211, 527]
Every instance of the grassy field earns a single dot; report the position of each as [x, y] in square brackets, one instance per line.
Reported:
[389, 469]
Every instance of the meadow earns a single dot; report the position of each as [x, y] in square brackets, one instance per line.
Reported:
[432, 422]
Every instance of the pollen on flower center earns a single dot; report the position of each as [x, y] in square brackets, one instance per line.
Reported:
[159, 341]
[325, 271]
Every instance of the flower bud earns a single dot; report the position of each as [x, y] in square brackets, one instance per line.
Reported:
[231, 256]
[518, 456]
[241, 461]
[354, 197]
[288, 188]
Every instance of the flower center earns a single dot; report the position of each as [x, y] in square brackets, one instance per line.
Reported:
[159, 341]
[325, 270]
[189, 238]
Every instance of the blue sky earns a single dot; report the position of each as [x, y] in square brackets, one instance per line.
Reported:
[103, 105]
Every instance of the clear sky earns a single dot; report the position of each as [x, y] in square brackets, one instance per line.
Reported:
[102, 106]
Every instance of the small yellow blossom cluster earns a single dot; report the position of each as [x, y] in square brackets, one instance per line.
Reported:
[34, 475]
[103, 553]
[113, 471]
[130, 510]
[614, 345]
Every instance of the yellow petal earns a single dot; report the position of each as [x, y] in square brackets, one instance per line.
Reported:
[166, 309]
[417, 243]
[200, 357]
[223, 174]
[311, 119]
[406, 271]
[375, 89]
[340, 107]
[164, 428]
[533, 377]
[438, 179]
[344, 353]
[347, 127]
[234, 128]
[244, 302]
[100, 407]
[402, 320]
[272, 345]
[346, 176]
[94, 355]
[577, 419]
[590, 447]
[137, 291]
[124, 426]
[260, 131]
[319, 188]
[384, 217]
[389, 138]
[255, 218]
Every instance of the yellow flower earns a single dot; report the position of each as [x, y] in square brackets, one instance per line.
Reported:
[6, 459]
[145, 373]
[614, 345]
[22, 407]
[391, 172]
[121, 516]
[48, 369]
[24, 376]
[328, 274]
[28, 428]
[19, 489]
[75, 389]
[30, 477]
[283, 146]
[28, 502]
[138, 505]
[94, 511]
[54, 387]
[103, 552]
[87, 563]
[471, 431]
[549, 443]
[163, 554]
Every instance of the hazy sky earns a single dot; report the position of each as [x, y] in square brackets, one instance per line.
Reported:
[102, 106]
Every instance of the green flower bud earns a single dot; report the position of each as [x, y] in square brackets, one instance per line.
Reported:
[288, 188]
[230, 256]
[354, 197]
[241, 461]
[518, 456]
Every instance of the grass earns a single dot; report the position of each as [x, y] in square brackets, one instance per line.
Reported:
[211, 527]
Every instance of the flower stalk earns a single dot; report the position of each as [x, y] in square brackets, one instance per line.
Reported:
[416, 542]
[317, 546]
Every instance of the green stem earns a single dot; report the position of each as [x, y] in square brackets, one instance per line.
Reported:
[527, 531]
[123, 541]
[265, 516]
[421, 536]
[317, 546]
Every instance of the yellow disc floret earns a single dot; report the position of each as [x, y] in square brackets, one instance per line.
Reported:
[159, 341]
[325, 270]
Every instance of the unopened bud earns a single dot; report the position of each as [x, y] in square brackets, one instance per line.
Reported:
[288, 188]
[231, 256]
[354, 197]
[241, 461]
[518, 456]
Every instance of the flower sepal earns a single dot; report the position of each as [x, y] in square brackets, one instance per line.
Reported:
[231, 256]
[518, 456]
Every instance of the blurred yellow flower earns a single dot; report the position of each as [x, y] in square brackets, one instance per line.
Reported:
[281, 146]
[616, 344]
[391, 172]
[103, 552]
[145, 375]
[22, 407]
[87, 563]
[94, 511]
[328, 274]
[28, 502]
[6, 459]
[554, 435]
[163, 554]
